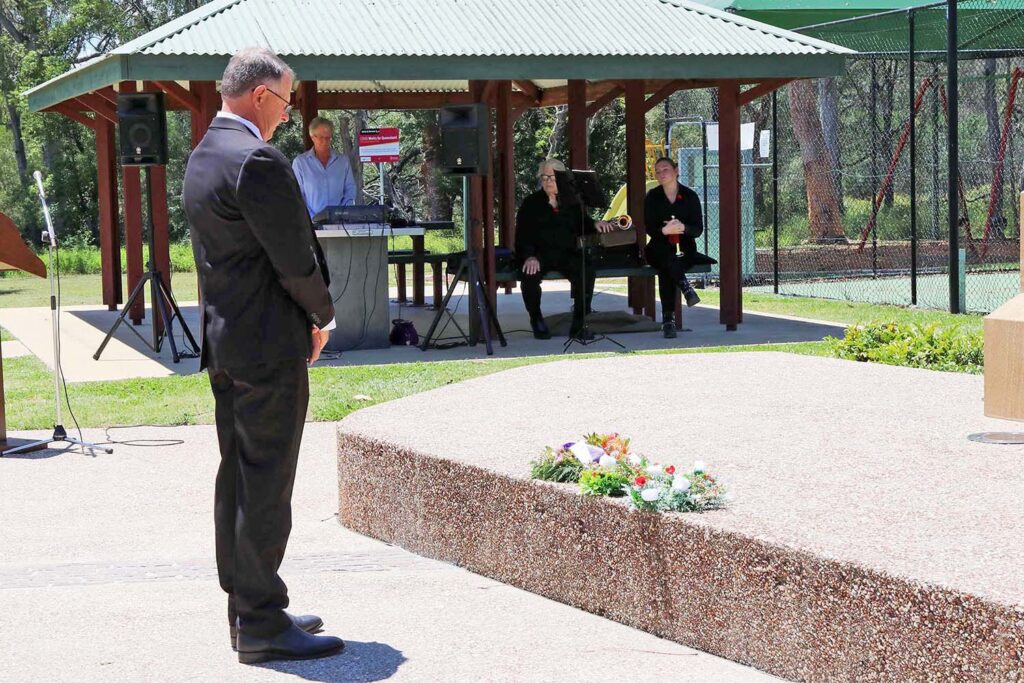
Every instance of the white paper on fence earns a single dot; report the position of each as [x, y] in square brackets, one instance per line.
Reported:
[746, 136]
[765, 144]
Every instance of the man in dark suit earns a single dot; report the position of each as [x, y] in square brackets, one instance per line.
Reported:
[266, 314]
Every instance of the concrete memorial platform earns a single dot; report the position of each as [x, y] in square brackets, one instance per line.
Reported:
[869, 539]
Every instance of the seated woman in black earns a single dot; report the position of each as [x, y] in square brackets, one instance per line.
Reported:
[673, 220]
[546, 233]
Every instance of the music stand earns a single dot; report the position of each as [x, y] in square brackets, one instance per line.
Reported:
[164, 308]
[580, 187]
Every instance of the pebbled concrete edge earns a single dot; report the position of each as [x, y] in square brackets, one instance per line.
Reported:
[784, 611]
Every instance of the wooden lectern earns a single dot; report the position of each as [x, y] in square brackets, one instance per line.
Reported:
[1004, 354]
[14, 255]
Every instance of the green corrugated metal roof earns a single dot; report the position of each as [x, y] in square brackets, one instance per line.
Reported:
[984, 25]
[409, 40]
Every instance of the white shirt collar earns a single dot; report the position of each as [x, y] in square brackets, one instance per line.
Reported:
[245, 122]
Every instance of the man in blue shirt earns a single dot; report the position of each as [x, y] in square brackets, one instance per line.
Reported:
[324, 176]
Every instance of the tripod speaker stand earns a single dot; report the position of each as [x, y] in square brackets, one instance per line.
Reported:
[164, 308]
[470, 270]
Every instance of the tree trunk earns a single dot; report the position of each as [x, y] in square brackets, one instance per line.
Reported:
[828, 90]
[437, 202]
[994, 131]
[14, 124]
[557, 140]
[348, 129]
[822, 204]
[888, 90]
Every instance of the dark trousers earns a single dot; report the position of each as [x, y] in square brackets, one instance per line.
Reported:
[671, 268]
[569, 265]
[260, 413]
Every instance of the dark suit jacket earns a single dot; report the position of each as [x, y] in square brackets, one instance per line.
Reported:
[686, 208]
[548, 234]
[260, 284]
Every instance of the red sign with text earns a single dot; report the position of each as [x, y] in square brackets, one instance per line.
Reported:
[378, 145]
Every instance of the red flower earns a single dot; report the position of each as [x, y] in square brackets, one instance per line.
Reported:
[671, 469]
[640, 481]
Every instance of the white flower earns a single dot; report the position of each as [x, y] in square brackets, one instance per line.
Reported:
[582, 453]
[680, 483]
[655, 470]
[595, 452]
[606, 461]
[634, 459]
[700, 466]
[650, 495]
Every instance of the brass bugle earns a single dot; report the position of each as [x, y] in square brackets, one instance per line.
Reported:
[623, 222]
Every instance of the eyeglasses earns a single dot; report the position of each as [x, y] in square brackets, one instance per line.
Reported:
[545, 176]
[288, 105]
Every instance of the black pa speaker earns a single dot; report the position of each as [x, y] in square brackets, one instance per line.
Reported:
[142, 123]
[465, 139]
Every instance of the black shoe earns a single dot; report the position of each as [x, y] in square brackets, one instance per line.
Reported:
[310, 623]
[293, 643]
[689, 294]
[540, 328]
[668, 329]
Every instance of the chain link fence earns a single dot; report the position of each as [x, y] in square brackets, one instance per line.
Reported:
[863, 198]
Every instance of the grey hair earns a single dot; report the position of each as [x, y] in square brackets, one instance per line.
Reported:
[553, 163]
[319, 122]
[251, 67]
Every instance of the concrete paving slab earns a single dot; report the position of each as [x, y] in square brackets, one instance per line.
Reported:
[109, 574]
[14, 349]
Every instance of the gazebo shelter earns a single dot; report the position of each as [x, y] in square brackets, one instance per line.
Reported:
[409, 54]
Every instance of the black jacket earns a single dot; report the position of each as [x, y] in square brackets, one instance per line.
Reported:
[543, 232]
[686, 208]
[259, 281]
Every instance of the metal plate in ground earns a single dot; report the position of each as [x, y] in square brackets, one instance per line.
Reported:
[1011, 438]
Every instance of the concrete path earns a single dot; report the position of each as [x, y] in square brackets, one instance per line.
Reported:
[126, 356]
[108, 575]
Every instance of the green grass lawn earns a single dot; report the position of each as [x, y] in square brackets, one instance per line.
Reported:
[21, 291]
[187, 400]
[180, 400]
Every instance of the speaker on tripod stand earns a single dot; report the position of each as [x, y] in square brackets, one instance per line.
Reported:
[142, 127]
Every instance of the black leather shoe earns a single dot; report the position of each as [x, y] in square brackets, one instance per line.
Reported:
[293, 643]
[690, 294]
[540, 328]
[310, 623]
[668, 329]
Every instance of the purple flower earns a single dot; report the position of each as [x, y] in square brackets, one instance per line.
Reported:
[567, 446]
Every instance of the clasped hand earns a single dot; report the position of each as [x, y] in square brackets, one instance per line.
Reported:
[673, 227]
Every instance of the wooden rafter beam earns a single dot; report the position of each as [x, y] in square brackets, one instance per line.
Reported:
[108, 94]
[179, 94]
[603, 101]
[761, 89]
[98, 105]
[71, 111]
[530, 89]
[663, 93]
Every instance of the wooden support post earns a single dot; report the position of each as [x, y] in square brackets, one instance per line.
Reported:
[308, 108]
[578, 124]
[729, 239]
[158, 177]
[132, 187]
[418, 270]
[641, 290]
[506, 170]
[209, 102]
[110, 242]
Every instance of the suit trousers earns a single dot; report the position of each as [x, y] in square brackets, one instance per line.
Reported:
[671, 268]
[569, 265]
[260, 414]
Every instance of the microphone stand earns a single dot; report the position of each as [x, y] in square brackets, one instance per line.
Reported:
[60, 435]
